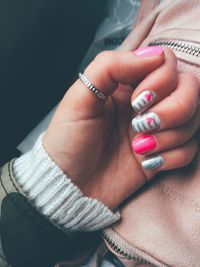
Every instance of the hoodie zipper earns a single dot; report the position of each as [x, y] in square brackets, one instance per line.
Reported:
[190, 48]
[124, 250]
[121, 251]
[185, 47]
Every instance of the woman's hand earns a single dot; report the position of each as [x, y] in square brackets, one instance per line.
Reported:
[94, 142]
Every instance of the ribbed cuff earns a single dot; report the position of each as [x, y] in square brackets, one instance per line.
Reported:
[56, 197]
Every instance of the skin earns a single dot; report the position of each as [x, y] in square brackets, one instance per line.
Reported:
[91, 140]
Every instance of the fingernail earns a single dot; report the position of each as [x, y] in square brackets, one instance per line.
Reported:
[143, 101]
[144, 144]
[153, 163]
[149, 51]
[146, 122]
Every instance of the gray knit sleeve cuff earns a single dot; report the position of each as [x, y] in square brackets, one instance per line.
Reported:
[55, 196]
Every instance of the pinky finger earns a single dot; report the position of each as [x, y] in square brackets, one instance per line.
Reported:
[171, 159]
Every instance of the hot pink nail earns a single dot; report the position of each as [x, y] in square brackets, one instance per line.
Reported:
[149, 51]
[144, 144]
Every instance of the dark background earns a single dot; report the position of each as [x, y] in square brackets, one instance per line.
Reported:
[42, 43]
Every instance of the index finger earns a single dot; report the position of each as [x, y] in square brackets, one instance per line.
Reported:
[109, 69]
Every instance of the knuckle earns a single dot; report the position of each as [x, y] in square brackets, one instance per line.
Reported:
[170, 71]
[171, 58]
[183, 111]
[178, 137]
[186, 104]
[192, 81]
[184, 159]
[170, 52]
[104, 57]
[171, 75]
[101, 62]
[187, 153]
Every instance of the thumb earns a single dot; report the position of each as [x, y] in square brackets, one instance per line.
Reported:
[107, 70]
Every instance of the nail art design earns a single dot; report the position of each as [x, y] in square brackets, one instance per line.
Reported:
[144, 101]
[149, 51]
[146, 122]
[153, 163]
[144, 144]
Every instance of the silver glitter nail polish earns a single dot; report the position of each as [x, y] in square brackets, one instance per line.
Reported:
[143, 101]
[153, 163]
[146, 122]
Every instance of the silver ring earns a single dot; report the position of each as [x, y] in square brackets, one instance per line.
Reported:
[90, 86]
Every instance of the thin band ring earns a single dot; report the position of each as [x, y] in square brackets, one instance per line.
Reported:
[90, 86]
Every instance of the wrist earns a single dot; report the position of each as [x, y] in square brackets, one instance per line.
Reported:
[54, 195]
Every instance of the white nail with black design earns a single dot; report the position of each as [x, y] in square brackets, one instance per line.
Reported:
[143, 101]
[146, 122]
